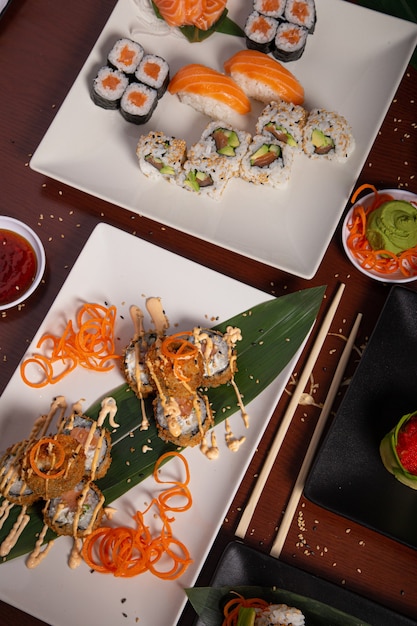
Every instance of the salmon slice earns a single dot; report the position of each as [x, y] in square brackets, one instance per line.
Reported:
[200, 13]
[252, 65]
[204, 81]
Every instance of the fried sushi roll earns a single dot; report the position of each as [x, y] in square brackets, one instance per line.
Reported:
[76, 512]
[219, 356]
[13, 485]
[161, 156]
[268, 162]
[183, 420]
[96, 443]
[283, 121]
[175, 365]
[53, 465]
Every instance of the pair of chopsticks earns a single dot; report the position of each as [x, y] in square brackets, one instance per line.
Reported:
[280, 435]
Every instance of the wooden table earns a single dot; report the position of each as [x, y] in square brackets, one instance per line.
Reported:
[43, 46]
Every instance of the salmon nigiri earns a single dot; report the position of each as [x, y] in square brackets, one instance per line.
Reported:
[200, 13]
[209, 91]
[263, 78]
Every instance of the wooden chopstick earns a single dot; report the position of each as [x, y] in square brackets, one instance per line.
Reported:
[289, 413]
[315, 440]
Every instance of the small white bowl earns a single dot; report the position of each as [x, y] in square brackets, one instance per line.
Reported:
[396, 277]
[9, 223]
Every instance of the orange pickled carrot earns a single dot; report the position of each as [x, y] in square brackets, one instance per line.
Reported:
[47, 441]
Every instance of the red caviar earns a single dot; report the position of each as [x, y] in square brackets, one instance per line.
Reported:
[407, 445]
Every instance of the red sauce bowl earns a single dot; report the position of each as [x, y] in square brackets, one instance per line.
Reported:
[22, 262]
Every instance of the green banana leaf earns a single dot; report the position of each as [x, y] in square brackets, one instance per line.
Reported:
[208, 603]
[272, 333]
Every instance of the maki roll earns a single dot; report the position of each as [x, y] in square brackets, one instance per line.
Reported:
[290, 42]
[76, 512]
[283, 121]
[138, 103]
[267, 162]
[302, 13]
[125, 56]
[271, 8]
[96, 442]
[223, 142]
[182, 420]
[108, 87]
[260, 31]
[161, 156]
[219, 356]
[205, 176]
[134, 365]
[13, 485]
[154, 72]
[327, 135]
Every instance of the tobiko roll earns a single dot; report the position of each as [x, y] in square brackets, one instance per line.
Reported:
[138, 103]
[398, 450]
[260, 32]
[153, 71]
[108, 88]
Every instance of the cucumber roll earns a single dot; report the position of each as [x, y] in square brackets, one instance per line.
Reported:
[161, 156]
[138, 103]
[260, 31]
[290, 42]
[125, 56]
[154, 72]
[108, 88]
[271, 8]
[302, 13]
[267, 162]
[285, 122]
[327, 135]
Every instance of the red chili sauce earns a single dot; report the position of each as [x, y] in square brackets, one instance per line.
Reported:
[18, 265]
[407, 445]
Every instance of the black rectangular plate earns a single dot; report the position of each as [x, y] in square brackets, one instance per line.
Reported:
[348, 476]
[242, 565]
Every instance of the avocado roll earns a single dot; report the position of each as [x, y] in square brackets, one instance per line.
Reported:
[267, 162]
[260, 31]
[125, 56]
[222, 143]
[290, 42]
[285, 122]
[153, 71]
[302, 13]
[161, 156]
[271, 8]
[205, 176]
[327, 135]
[138, 103]
[108, 87]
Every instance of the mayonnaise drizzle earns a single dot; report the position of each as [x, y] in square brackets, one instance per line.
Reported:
[232, 443]
[17, 529]
[37, 555]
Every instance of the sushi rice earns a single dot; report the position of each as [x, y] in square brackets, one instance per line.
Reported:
[284, 121]
[161, 156]
[274, 174]
[279, 615]
[333, 126]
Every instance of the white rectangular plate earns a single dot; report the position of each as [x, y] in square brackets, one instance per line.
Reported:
[352, 64]
[119, 269]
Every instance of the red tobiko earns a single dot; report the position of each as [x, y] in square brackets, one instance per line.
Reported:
[407, 445]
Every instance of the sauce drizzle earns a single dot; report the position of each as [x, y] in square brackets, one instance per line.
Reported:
[18, 266]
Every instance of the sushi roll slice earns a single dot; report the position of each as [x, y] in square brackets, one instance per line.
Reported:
[302, 13]
[96, 442]
[222, 142]
[283, 121]
[153, 71]
[134, 365]
[13, 485]
[125, 56]
[327, 135]
[161, 156]
[271, 8]
[53, 465]
[76, 512]
[138, 103]
[108, 87]
[219, 356]
[182, 420]
[267, 162]
[205, 176]
[290, 42]
[260, 31]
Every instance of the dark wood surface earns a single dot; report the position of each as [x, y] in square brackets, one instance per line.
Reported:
[43, 45]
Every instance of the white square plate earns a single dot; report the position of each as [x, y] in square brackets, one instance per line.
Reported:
[191, 295]
[352, 64]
